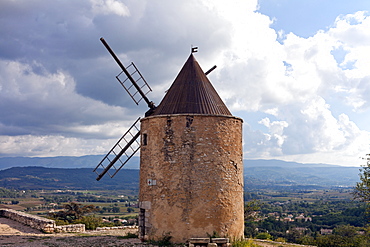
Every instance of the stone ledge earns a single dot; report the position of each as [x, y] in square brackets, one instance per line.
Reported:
[39, 223]
[209, 242]
[70, 228]
[115, 228]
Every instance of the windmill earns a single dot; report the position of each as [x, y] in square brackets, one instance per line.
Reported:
[128, 145]
[191, 165]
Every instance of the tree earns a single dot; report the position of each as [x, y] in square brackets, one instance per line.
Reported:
[91, 222]
[250, 214]
[73, 211]
[76, 210]
[264, 235]
[362, 189]
[250, 210]
[116, 209]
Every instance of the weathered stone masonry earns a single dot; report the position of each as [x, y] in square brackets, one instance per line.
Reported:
[191, 176]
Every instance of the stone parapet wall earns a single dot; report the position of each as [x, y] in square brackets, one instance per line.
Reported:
[39, 223]
[33, 221]
[116, 228]
[70, 228]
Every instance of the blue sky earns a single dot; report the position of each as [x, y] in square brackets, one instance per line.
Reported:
[306, 17]
[295, 71]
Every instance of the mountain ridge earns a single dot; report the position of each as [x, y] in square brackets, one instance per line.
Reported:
[90, 161]
[76, 172]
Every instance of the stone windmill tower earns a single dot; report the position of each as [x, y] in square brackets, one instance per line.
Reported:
[191, 166]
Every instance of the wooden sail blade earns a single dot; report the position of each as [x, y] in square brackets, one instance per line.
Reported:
[131, 77]
[121, 153]
[135, 84]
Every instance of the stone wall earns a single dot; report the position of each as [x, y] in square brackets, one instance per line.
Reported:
[116, 228]
[39, 223]
[70, 228]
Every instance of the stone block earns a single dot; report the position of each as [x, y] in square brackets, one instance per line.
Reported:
[199, 240]
[145, 205]
[220, 240]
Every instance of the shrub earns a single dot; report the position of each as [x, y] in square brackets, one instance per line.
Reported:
[164, 241]
[128, 235]
[91, 222]
[280, 239]
[244, 243]
[61, 222]
[264, 235]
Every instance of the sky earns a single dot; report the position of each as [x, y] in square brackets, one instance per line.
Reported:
[296, 72]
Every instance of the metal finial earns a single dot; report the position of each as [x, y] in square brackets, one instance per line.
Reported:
[194, 49]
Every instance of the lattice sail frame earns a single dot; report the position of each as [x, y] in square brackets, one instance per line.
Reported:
[130, 87]
[127, 146]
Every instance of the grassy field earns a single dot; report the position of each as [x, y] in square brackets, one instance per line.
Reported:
[110, 204]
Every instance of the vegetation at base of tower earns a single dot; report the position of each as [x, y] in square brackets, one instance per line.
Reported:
[164, 241]
[128, 235]
[244, 243]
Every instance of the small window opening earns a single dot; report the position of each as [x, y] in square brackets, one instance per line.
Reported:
[145, 139]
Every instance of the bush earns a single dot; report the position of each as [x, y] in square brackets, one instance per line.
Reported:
[129, 235]
[164, 241]
[91, 222]
[264, 235]
[244, 243]
[61, 222]
[280, 239]
[307, 240]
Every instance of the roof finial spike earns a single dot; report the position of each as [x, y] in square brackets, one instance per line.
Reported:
[194, 49]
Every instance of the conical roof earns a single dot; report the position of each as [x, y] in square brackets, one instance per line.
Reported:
[192, 93]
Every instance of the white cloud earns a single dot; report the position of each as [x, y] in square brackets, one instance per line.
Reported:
[48, 146]
[276, 130]
[299, 77]
[107, 7]
[57, 85]
[36, 103]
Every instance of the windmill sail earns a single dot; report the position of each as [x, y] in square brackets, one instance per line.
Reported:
[135, 85]
[133, 88]
[124, 149]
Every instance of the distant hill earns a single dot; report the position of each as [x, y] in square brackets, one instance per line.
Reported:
[59, 178]
[76, 173]
[88, 161]
[260, 174]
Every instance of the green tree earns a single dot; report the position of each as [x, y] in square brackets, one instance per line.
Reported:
[91, 222]
[73, 211]
[250, 210]
[76, 210]
[250, 214]
[362, 189]
[264, 235]
[116, 209]
[346, 231]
